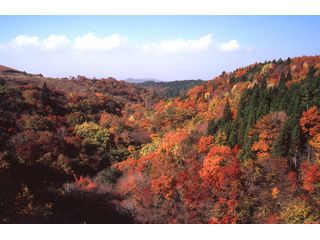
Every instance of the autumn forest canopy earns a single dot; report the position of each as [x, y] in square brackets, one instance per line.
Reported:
[243, 147]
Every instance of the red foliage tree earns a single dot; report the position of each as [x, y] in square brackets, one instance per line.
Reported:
[311, 177]
[205, 144]
[85, 183]
[310, 121]
[267, 129]
[221, 172]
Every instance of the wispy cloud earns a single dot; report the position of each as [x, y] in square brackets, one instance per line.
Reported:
[250, 48]
[24, 40]
[180, 45]
[92, 42]
[230, 46]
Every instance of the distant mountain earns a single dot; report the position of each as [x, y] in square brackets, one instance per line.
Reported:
[170, 89]
[141, 80]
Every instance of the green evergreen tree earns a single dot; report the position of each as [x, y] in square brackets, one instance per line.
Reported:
[308, 91]
[45, 95]
[288, 61]
[289, 76]
[282, 143]
[213, 127]
[227, 114]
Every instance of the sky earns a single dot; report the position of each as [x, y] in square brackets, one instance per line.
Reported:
[162, 47]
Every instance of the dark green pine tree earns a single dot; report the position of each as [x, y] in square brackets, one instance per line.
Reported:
[226, 121]
[282, 143]
[264, 103]
[315, 86]
[241, 136]
[233, 136]
[213, 127]
[296, 135]
[45, 95]
[264, 83]
[227, 114]
[289, 76]
[295, 146]
[282, 93]
[308, 91]
[288, 61]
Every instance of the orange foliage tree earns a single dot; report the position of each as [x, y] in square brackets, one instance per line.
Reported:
[267, 129]
[310, 121]
[311, 177]
[315, 143]
[221, 172]
[85, 183]
[310, 124]
[162, 186]
[205, 143]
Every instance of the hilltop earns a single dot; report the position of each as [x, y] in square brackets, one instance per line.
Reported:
[4, 69]
[141, 80]
[170, 89]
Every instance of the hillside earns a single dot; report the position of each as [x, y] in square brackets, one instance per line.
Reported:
[4, 70]
[42, 159]
[241, 148]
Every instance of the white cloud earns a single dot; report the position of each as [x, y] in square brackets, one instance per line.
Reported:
[180, 45]
[88, 41]
[52, 42]
[230, 46]
[24, 40]
[55, 41]
[92, 42]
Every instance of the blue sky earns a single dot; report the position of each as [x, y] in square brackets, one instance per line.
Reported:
[162, 47]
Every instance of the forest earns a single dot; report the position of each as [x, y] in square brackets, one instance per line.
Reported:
[171, 89]
[243, 147]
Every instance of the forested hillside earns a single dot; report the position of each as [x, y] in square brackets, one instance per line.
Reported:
[57, 133]
[241, 148]
[170, 89]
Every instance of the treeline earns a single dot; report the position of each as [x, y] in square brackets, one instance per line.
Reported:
[170, 89]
